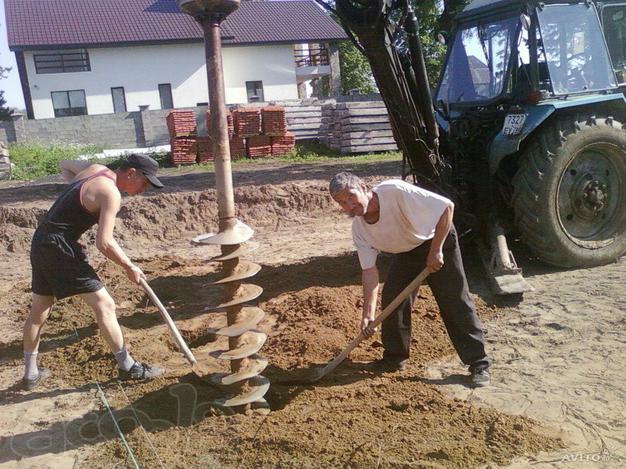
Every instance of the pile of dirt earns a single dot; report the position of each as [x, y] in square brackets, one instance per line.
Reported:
[353, 418]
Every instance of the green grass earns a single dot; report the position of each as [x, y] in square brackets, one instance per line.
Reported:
[306, 152]
[34, 160]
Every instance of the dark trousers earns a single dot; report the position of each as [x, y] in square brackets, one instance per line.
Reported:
[449, 286]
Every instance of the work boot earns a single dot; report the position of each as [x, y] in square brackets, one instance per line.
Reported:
[386, 365]
[480, 377]
[30, 384]
[139, 371]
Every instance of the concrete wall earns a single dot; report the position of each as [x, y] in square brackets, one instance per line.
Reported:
[140, 69]
[139, 129]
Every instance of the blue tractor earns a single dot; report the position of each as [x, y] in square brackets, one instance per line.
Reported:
[526, 130]
[530, 99]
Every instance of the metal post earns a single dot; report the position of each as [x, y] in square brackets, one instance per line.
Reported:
[218, 128]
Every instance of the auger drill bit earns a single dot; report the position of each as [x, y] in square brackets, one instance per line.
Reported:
[244, 383]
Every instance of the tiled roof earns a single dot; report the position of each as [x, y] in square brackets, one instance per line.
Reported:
[33, 24]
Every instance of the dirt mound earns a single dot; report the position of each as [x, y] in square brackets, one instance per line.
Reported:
[181, 215]
[352, 418]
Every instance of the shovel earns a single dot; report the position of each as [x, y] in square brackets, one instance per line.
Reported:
[307, 376]
[169, 322]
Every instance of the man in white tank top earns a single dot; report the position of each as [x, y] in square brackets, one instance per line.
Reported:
[415, 225]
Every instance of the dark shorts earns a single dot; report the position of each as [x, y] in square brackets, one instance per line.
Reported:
[60, 268]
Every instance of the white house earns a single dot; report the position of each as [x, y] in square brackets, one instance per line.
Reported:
[80, 57]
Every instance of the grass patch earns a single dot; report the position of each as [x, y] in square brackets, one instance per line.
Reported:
[35, 160]
[304, 152]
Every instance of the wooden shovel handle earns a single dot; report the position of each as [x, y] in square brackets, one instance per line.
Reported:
[403, 295]
[169, 322]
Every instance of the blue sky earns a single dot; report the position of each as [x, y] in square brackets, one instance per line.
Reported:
[10, 85]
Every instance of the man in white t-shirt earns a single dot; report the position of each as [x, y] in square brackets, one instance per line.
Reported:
[415, 225]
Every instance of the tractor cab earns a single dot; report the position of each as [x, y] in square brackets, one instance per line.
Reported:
[527, 52]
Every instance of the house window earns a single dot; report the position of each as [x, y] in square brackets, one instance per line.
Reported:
[69, 103]
[119, 99]
[255, 91]
[62, 62]
[165, 93]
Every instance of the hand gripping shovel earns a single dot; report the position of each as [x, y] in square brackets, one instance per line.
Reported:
[313, 375]
[169, 322]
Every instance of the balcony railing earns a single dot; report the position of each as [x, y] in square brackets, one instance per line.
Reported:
[312, 57]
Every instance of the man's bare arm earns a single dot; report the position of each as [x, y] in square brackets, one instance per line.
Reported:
[70, 168]
[109, 201]
[370, 281]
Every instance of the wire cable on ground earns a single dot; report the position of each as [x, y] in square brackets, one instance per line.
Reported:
[103, 399]
[156, 454]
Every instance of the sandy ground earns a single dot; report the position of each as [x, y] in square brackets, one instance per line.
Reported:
[558, 386]
[560, 358]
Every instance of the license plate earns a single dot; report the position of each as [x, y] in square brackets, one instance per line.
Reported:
[513, 124]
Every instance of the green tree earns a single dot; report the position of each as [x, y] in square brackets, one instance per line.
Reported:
[355, 70]
[434, 16]
[5, 111]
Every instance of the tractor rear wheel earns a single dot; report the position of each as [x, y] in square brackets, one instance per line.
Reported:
[570, 193]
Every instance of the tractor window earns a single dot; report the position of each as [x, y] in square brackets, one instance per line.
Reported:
[575, 49]
[614, 20]
[478, 62]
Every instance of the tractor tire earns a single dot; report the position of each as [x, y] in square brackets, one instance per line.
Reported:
[569, 193]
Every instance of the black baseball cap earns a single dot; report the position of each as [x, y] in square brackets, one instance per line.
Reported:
[147, 166]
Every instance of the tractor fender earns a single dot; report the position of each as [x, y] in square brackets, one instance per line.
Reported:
[504, 145]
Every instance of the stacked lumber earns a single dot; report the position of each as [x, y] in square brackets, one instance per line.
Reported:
[283, 144]
[247, 121]
[304, 120]
[327, 125]
[259, 146]
[362, 127]
[6, 167]
[181, 126]
[273, 122]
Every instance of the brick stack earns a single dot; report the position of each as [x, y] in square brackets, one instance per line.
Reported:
[247, 121]
[182, 129]
[259, 146]
[283, 144]
[184, 150]
[237, 147]
[273, 121]
[205, 149]
[229, 121]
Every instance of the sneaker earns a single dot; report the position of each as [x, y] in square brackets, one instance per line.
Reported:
[386, 365]
[480, 378]
[140, 371]
[30, 384]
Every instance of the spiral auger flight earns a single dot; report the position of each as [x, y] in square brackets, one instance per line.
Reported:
[244, 384]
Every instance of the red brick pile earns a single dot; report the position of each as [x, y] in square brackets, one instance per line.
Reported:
[259, 146]
[273, 121]
[184, 150]
[253, 132]
[247, 121]
[229, 122]
[205, 149]
[237, 147]
[181, 126]
[283, 144]
[181, 123]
